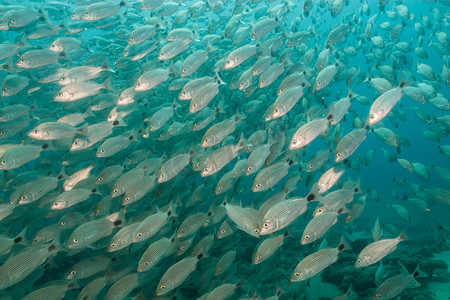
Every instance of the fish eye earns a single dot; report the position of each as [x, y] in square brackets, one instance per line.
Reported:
[220, 188]
[102, 151]
[162, 175]
[182, 247]
[3, 162]
[100, 179]
[112, 245]
[56, 203]
[73, 272]
[296, 274]
[13, 21]
[62, 223]
[75, 241]
[266, 225]
[307, 236]
[249, 168]
[146, 263]
[115, 191]
[127, 199]
[139, 234]
[222, 231]
[378, 295]
[205, 169]
[372, 116]
[258, 185]
[162, 287]
[256, 230]
[184, 70]
[320, 210]
[338, 154]
[36, 239]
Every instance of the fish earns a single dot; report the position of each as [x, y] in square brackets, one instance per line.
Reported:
[177, 274]
[376, 251]
[317, 261]
[393, 286]
[384, 104]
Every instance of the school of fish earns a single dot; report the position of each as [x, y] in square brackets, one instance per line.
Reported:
[214, 149]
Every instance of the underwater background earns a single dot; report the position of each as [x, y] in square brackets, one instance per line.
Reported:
[142, 155]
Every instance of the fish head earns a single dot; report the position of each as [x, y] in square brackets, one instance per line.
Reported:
[319, 210]
[379, 296]
[318, 85]
[72, 274]
[195, 106]
[362, 261]
[257, 258]
[115, 192]
[56, 46]
[141, 86]
[7, 163]
[184, 95]
[64, 80]
[258, 186]
[229, 64]
[296, 276]
[297, 142]
[57, 205]
[308, 238]
[138, 237]
[37, 133]
[185, 72]
[89, 15]
[78, 144]
[374, 117]
[5, 91]
[340, 155]
[113, 247]
[162, 289]
[268, 226]
[62, 96]
[278, 111]
[74, 242]
[23, 62]
[163, 177]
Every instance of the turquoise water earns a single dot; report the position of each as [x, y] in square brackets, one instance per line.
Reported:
[130, 145]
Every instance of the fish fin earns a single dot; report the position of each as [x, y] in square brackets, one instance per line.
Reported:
[314, 194]
[107, 84]
[171, 210]
[218, 79]
[8, 66]
[62, 174]
[21, 238]
[343, 244]
[402, 236]
[242, 142]
[106, 66]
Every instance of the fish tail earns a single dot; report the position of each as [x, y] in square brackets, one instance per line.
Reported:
[343, 244]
